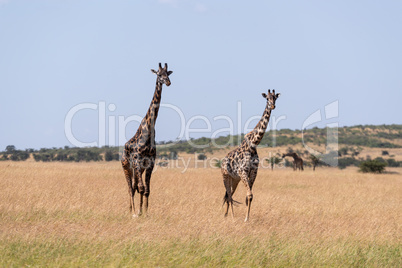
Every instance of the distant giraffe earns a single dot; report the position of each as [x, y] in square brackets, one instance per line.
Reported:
[242, 162]
[297, 161]
[140, 151]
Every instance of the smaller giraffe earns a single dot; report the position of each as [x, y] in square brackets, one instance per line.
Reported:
[297, 161]
[241, 164]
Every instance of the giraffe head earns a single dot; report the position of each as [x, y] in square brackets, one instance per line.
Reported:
[271, 98]
[163, 74]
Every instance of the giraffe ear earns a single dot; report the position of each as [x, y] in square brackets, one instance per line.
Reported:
[277, 95]
[155, 72]
[264, 95]
[169, 73]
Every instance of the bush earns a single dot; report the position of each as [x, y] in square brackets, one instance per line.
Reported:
[88, 155]
[289, 150]
[392, 163]
[274, 160]
[380, 159]
[173, 154]
[10, 149]
[347, 161]
[110, 156]
[372, 166]
[218, 163]
[23, 156]
[18, 155]
[343, 151]
[201, 157]
[288, 163]
[61, 157]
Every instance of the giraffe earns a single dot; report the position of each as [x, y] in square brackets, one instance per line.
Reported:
[297, 161]
[242, 162]
[140, 151]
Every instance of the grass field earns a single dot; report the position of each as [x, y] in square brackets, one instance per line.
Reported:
[76, 214]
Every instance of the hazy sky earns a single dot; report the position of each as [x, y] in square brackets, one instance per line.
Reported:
[86, 64]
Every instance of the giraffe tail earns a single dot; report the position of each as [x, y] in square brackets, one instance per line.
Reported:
[236, 202]
[226, 200]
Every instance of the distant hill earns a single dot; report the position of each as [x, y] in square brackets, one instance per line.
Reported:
[383, 136]
[351, 138]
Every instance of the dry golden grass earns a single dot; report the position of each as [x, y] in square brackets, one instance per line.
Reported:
[329, 212]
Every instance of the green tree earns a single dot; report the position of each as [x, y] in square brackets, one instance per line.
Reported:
[173, 155]
[290, 150]
[347, 161]
[274, 160]
[392, 163]
[37, 157]
[18, 155]
[10, 149]
[61, 156]
[314, 161]
[343, 151]
[108, 156]
[14, 157]
[201, 157]
[372, 166]
[218, 163]
[23, 155]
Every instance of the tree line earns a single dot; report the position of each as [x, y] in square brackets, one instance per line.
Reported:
[353, 138]
[65, 154]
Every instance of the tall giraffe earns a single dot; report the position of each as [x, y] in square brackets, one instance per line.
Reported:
[140, 151]
[242, 162]
[297, 161]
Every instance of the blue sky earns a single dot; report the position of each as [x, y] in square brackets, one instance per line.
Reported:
[55, 55]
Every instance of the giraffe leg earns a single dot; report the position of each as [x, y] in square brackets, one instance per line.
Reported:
[226, 201]
[227, 181]
[141, 202]
[235, 183]
[137, 181]
[138, 170]
[141, 189]
[128, 172]
[234, 187]
[249, 198]
[147, 191]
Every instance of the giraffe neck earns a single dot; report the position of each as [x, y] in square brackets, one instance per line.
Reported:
[155, 103]
[148, 123]
[255, 136]
[295, 157]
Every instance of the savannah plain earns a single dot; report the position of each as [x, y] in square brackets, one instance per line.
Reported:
[77, 215]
